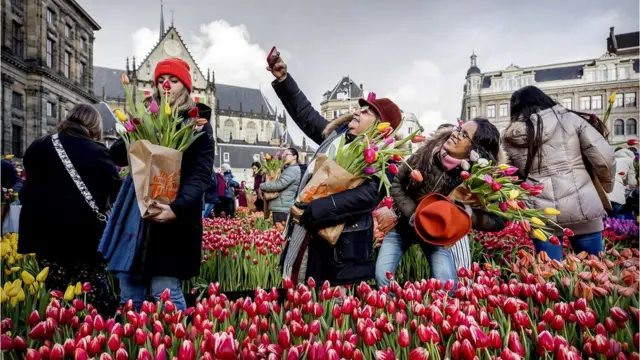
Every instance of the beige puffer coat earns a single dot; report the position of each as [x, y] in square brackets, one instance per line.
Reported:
[567, 138]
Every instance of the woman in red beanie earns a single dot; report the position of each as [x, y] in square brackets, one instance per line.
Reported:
[170, 243]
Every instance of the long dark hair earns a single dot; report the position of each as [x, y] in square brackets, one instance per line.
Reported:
[486, 142]
[526, 103]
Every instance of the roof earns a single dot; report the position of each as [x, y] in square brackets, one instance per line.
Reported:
[473, 70]
[171, 28]
[242, 98]
[343, 86]
[628, 40]
[559, 73]
[108, 78]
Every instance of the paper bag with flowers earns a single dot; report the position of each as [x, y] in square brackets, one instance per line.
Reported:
[368, 156]
[497, 190]
[272, 167]
[156, 136]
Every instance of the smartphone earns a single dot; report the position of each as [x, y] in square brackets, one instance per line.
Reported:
[273, 56]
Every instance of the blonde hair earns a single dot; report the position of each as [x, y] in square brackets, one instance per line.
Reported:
[82, 120]
[183, 102]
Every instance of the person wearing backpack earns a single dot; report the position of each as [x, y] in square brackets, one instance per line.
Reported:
[211, 198]
[227, 200]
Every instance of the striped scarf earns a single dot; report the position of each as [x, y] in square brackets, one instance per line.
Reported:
[297, 254]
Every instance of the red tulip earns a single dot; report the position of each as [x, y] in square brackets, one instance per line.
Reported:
[69, 346]
[601, 345]
[510, 306]
[33, 318]
[5, 343]
[121, 354]
[225, 347]
[509, 355]
[169, 306]
[57, 352]
[419, 353]
[80, 354]
[45, 352]
[105, 356]
[293, 354]
[495, 341]
[464, 175]
[403, 338]
[179, 331]
[19, 344]
[33, 354]
[466, 350]
[144, 354]
[618, 314]
[311, 282]
[514, 343]
[38, 332]
[114, 342]
[479, 338]
[141, 337]
[496, 186]
[86, 287]
[393, 169]
[568, 232]
[186, 351]
[545, 341]
[165, 295]
[557, 323]
[193, 113]
[284, 337]
[369, 336]
[161, 353]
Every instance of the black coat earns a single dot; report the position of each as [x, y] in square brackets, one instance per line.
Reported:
[55, 221]
[175, 249]
[351, 258]
[10, 177]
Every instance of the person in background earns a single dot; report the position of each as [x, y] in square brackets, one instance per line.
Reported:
[10, 177]
[157, 253]
[549, 145]
[211, 198]
[242, 196]
[625, 180]
[286, 184]
[56, 222]
[258, 178]
[228, 201]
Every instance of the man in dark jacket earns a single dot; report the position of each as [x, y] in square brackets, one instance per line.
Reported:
[211, 196]
[307, 254]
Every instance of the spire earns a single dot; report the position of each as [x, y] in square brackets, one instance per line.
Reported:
[473, 58]
[135, 75]
[161, 20]
[171, 17]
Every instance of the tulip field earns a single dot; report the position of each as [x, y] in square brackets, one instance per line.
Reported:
[511, 304]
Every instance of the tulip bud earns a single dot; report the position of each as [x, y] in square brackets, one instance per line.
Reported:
[57, 352]
[464, 175]
[417, 176]
[124, 79]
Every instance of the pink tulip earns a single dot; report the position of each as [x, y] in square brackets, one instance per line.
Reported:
[153, 107]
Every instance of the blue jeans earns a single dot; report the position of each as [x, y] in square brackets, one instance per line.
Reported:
[138, 291]
[207, 210]
[395, 245]
[591, 243]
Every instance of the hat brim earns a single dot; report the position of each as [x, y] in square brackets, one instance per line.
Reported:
[463, 222]
[363, 102]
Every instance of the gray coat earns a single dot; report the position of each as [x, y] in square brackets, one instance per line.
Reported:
[567, 138]
[287, 185]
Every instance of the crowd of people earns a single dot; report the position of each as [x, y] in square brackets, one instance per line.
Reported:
[564, 150]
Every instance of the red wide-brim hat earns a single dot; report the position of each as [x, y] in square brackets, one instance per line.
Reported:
[438, 221]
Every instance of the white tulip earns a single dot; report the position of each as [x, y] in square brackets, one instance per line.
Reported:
[465, 165]
[483, 162]
[120, 129]
[473, 156]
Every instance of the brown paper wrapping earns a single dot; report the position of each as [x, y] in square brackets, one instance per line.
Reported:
[251, 201]
[155, 171]
[328, 178]
[271, 178]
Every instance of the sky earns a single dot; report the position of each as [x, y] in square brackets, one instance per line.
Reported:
[414, 52]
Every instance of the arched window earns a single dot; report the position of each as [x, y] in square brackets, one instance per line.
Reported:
[227, 130]
[268, 131]
[632, 127]
[618, 127]
[602, 73]
[250, 133]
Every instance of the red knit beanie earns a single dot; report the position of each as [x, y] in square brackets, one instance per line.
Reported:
[175, 67]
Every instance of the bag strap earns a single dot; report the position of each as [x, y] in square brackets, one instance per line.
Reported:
[76, 178]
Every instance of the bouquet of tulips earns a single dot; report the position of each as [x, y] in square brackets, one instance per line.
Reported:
[495, 189]
[156, 135]
[272, 166]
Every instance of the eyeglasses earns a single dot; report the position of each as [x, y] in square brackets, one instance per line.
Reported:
[462, 134]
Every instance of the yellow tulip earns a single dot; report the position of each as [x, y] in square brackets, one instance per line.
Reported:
[503, 167]
[68, 294]
[7, 272]
[78, 289]
[383, 126]
[27, 278]
[15, 289]
[42, 275]
[612, 98]
[535, 221]
[124, 78]
[13, 301]
[7, 286]
[15, 269]
[551, 211]
[9, 157]
[167, 108]
[513, 194]
[3, 296]
[20, 295]
[19, 257]
[120, 115]
[11, 260]
[538, 234]
[33, 288]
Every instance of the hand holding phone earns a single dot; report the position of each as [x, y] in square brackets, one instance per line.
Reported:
[273, 56]
[276, 66]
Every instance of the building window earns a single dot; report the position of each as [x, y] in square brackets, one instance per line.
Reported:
[16, 137]
[335, 114]
[65, 112]
[491, 111]
[50, 45]
[17, 43]
[81, 73]
[17, 4]
[251, 133]
[67, 63]
[504, 110]
[630, 99]
[567, 103]
[82, 43]
[51, 107]
[468, 113]
[225, 157]
[16, 101]
[585, 103]
[50, 16]
[67, 30]
[618, 127]
[596, 102]
[632, 127]
[227, 130]
[619, 101]
[342, 95]
[474, 112]
[601, 74]
[622, 73]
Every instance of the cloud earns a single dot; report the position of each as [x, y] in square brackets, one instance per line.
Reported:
[143, 41]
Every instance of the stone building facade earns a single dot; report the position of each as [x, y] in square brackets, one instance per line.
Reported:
[580, 85]
[343, 98]
[47, 67]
